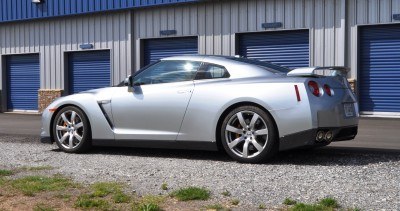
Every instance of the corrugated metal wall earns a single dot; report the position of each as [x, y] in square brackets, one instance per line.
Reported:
[12, 10]
[52, 37]
[216, 23]
[366, 12]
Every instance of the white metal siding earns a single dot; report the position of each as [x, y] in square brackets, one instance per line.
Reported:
[52, 37]
[216, 23]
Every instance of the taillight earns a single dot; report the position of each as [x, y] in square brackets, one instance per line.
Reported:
[314, 88]
[327, 90]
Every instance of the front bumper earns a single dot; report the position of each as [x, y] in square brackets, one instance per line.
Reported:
[308, 138]
[46, 140]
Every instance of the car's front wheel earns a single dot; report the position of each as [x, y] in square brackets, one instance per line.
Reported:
[71, 130]
[248, 135]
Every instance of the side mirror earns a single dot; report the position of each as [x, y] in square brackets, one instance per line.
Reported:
[128, 81]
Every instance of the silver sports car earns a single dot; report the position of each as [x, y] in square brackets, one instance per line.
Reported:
[249, 108]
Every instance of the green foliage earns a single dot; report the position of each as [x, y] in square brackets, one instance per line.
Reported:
[33, 184]
[191, 193]
[329, 202]
[121, 197]
[262, 206]
[88, 202]
[235, 202]
[4, 172]
[164, 186]
[289, 201]
[148, 203]
[42, 207]
[217, 207]
[226, 193]
[102, 189]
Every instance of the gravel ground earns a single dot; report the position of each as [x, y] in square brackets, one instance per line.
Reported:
[362, 179]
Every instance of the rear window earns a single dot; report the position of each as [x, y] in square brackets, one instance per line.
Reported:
[265, 65]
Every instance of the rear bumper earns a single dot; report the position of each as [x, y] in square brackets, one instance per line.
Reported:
[308, 137]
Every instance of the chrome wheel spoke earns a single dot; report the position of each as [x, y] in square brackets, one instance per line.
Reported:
[73, 115]
[246, 149]
[261, 132]
[233, 129]
[253, 121]
[235, 142]
[257, 145]
[241, 119]
[79, 125]
[61, 128]
[77, 136]
[65, 119]
[71, 141]
[64, 137]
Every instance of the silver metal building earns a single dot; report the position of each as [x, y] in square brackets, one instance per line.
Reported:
[56, 47]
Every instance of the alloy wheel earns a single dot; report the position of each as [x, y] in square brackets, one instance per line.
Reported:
[69, 129]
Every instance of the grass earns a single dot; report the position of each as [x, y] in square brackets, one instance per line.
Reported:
[235, 202]
[148, 203]
[289, 201]
[43, 207]
[217, 207]
[121, 197]
[262, 206]
[164, 186]
[4, 172]
[326, 204]
[36, 168]
[88, 202]
[191, 193]
[33, 184]
[226, 193]
[102, 189]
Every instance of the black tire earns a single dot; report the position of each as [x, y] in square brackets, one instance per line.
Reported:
[73, 128]
[253, 134]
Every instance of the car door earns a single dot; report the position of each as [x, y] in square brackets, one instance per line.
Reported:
[156, 106]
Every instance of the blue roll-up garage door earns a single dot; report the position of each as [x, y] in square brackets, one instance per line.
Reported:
[89, 70]
[23, 81]
[379, 68]
[155, 49]
[286, 48]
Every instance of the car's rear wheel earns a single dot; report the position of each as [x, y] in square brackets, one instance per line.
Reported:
[248, 135]
[71, 130]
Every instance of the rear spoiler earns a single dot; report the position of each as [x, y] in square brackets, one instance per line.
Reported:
[319, 71]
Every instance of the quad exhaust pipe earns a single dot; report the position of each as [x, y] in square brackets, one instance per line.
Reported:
[324, 136]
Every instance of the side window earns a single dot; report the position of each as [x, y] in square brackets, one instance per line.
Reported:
[212, 71]
[167, 72]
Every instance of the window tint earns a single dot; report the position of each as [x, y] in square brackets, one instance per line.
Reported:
[212, 71]
[167, 72]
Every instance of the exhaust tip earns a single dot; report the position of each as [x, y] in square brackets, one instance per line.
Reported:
[329, 136]
[320, 136]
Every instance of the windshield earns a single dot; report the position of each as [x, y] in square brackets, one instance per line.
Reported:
[265, 65]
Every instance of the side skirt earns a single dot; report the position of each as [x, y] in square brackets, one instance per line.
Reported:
[207, 146]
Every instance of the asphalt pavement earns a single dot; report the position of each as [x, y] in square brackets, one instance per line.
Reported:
[373, 133]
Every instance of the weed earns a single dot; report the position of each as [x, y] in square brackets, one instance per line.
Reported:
[121, 197]
[102, 189]
[329, 202]
[217, 207]
[42, 207]
[4, 172]
[36, 168]
[87, 201]
[226, 193]
[262, 206]
[33, 184]
[191, 193]
[148, 203]
[289, 201]
[164, 186]
[235, 202]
